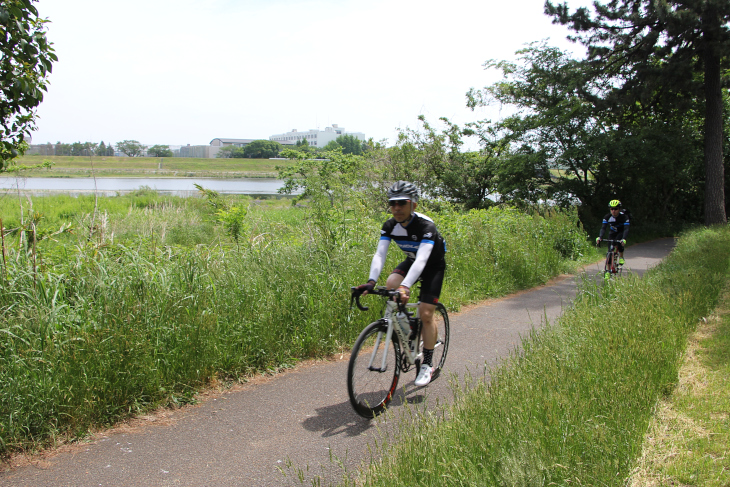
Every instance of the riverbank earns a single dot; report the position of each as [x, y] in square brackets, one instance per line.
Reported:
[112, 186]
[158, 167]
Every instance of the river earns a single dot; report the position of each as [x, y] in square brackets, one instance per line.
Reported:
[112, 186]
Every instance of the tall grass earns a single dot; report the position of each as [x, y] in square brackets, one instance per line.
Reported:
[572, 407]
[156, 303]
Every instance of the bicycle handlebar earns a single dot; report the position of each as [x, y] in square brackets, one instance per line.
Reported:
[380, 291]
[607, 240]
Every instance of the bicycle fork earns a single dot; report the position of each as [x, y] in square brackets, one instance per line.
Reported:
[376, 347]
[406, 349]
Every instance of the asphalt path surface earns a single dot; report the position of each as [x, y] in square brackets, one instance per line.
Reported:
[262, 433]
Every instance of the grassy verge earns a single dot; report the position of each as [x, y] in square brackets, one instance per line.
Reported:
[688, 442]
[147, 299]
[572, 407]
[77, 166]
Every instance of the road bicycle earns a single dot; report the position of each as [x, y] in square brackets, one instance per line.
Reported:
[384, 349]
[612, 267]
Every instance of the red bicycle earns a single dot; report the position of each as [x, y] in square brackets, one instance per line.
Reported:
[612, 267]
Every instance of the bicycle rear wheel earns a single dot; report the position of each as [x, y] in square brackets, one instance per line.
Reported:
[441, 319]
[371, 381]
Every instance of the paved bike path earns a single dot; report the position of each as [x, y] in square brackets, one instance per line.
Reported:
[247, 436]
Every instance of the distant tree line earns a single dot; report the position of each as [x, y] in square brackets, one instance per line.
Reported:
[131, 148]
[265, 149]
[77, 149]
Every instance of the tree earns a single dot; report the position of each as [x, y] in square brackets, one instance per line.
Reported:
[350, 144]
[160, 151]
[553, 116]
[327, 184]
[644, 155]
[62, 149]
[654, 49]
[262, 149]
[26, 59]
[331, 145]
[131, 148]
[303, 146]
[225, 152]
[102, 149]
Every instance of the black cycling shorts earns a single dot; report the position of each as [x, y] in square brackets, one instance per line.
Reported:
[431, 281]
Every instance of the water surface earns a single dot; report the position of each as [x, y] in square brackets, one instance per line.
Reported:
[112, 186]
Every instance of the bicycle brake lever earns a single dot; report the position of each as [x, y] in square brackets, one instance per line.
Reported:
[356, 299]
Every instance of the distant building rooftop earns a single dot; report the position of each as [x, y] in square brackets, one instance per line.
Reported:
[224, 142]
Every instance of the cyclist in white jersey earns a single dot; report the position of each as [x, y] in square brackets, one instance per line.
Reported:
[417, 236]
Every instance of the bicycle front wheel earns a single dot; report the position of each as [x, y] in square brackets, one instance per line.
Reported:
[608, 267]
[441, 320]
[373, 371]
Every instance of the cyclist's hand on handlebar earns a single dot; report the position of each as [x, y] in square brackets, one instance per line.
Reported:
[405, 293]
[623, 241]
[364, 288]
[598, 241]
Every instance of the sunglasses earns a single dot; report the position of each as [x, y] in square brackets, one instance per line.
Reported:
[397, 202]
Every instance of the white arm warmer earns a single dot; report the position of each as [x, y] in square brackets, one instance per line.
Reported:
[424, 252]
[376, 266]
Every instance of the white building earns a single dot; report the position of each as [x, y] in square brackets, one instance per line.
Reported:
[315, 138]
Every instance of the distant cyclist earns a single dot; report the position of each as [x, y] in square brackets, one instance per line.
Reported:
[618, 223]
[417, 236]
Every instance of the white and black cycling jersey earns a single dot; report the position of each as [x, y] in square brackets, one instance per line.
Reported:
[421, 229]
[419, 239]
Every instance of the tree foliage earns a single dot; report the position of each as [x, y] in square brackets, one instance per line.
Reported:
[350, 144]
[302, 145]
[664, 52]
[230, 151]
[330, 185]
[262, 149]
[646, 155]
[26, 59]
[131, 148]
[160, 151]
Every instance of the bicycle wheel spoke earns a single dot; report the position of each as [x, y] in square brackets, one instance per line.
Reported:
[373, 371]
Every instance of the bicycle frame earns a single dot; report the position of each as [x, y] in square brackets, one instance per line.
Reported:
[410, 352]
[612, 255]
[410, 349]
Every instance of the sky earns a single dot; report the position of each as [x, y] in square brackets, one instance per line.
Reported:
[176, 72]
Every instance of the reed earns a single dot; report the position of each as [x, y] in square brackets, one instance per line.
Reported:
[154, 301]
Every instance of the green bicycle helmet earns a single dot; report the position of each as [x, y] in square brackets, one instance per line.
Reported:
[614, 204]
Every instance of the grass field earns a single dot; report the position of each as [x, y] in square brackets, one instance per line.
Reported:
[688, 441]
[78, 166]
